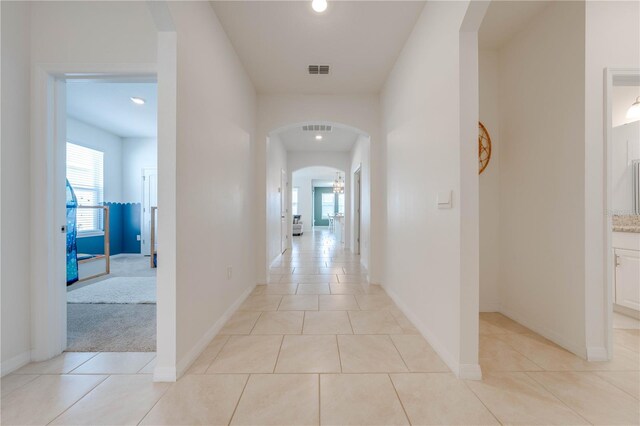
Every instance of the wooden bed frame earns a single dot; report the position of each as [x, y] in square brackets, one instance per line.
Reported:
[106, 255]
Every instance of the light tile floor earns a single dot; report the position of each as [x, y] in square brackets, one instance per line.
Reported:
[322, 346]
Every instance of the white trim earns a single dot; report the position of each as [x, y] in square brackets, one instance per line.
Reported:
[493, 306]
[48, 140]
[597, 354]
[87, 234]
[168, 375]
[12, 364]
[468, 370]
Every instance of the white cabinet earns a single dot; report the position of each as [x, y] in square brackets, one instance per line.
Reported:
[627, 286]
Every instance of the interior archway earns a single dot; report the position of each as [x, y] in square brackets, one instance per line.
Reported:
[322, 152]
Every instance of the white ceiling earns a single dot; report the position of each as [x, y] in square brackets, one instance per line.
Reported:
[338, 139]
[504, 19]
[108, 106]
[277, 40]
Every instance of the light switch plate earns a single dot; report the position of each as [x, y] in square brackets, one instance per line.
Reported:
[444, 199]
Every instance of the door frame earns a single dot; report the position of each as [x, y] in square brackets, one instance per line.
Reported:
[284, 210]
[48, 210]
[610, 77]
[357, 210]
[145, 173]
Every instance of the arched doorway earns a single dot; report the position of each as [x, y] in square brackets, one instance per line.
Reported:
[317, 153]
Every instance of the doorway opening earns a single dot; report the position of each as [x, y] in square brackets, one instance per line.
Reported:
[622, 224]
[110, 164]
[310, 167]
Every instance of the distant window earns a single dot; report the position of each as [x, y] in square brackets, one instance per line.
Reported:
[341, 203]
[85, 172]
[294, 201]
[328, 204]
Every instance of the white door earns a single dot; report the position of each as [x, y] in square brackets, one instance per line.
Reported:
[149, 199]
[357, 202]
[284, 187]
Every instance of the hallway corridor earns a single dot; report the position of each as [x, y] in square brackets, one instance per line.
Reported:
[321, 346]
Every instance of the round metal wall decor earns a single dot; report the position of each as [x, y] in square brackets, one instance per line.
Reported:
[484, 147]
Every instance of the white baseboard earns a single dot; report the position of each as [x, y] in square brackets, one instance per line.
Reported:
[470, 372]
[463, 371]
[168, 375]
[597, 353]
[164, 375]
[12, 364]
[569, 345]
[490, 307]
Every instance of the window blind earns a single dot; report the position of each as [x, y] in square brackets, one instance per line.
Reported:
[85, 172]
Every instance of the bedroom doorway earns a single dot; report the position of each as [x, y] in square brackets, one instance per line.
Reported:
[110, 163]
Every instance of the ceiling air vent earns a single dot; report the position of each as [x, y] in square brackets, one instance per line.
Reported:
[318, 69]
[316, 128]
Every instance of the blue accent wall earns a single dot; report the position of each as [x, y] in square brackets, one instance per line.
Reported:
[124, 224]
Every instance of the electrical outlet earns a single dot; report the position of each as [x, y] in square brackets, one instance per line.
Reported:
[138, 237]
[229, 272]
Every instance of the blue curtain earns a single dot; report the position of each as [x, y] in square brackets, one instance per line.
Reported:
[72, 248]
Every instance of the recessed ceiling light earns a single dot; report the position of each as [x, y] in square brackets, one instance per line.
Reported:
[136, 100]
[318, 137]
[319, 5]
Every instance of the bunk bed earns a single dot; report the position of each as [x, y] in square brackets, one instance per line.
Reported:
[80, 266]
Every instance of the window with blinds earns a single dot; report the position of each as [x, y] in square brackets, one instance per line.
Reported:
[85, 172]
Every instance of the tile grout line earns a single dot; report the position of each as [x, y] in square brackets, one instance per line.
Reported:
[399, 353]
[612, 383]
[275, 365]
[399, 399]
[339, 354]
[555, 396]
[156, 403]
[481, 401]
[226, 342]
[81, 397]
[235, 409]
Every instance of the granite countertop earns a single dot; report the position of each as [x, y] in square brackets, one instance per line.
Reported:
[626, 223]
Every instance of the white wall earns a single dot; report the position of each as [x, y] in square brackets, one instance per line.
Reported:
[542, 175]
[137, 154]
[89, 136]
[215, 182]
[625, 149]
[422, 121]
[15, 183]
[612, 38]
[276, 162]
[490, 185]
[358, 111]
[360, 159]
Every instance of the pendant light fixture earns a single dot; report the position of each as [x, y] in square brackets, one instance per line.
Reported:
[633, 113]
[338, 184]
